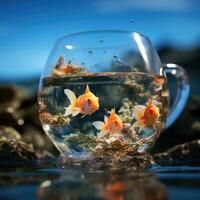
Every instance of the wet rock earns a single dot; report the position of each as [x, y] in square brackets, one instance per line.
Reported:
[180, 154]
[9, 103]
[9, 133]
[12, 147]
[19, 110]
[41, 154]
[40, 141]
[30, 115]
[8, 97]
[196, 126]
[8, 118]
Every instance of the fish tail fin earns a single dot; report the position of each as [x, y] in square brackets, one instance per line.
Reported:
[71, 109]
[76, 111]
[99, 125]
[138, 112]
[87, 89]
[71, 96]
[68, 111]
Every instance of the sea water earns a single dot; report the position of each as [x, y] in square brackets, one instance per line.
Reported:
[76, 135]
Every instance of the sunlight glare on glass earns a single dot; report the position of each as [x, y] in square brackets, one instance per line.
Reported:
[46, 127]
[171, 65]
[142, 49]
[174, 72]
[68, 46]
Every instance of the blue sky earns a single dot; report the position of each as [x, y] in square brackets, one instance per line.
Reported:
[28, 29]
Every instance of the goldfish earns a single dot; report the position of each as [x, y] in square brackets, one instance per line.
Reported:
[85, 104]
[158, 80]
[115, 190]
[112, 124]
[146, 115]
[66, 69]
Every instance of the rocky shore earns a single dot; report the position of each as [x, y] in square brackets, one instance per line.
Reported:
[22, 137]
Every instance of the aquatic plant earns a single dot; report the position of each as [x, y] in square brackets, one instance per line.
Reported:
[125, 111]
[81, 141]
[54, 120]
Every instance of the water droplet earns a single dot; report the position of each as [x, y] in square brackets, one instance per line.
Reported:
[132, 20]
[90, 52]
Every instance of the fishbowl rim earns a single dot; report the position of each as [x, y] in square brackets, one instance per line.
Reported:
[101, 31]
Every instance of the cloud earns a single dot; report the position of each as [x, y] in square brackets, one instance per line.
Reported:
[150, 5]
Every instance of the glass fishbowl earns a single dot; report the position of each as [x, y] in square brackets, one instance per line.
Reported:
[104, 94]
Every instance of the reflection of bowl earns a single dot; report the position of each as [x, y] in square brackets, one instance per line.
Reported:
[101, 186]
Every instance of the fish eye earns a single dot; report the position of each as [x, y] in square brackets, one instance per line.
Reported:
[151, 111]
[115, 122]
[89, 100]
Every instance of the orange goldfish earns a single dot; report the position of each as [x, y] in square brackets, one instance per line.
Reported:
[115, 190]
[85, 104]
[68, 69]
[111, 124]
[158, 80]
[146, 115]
